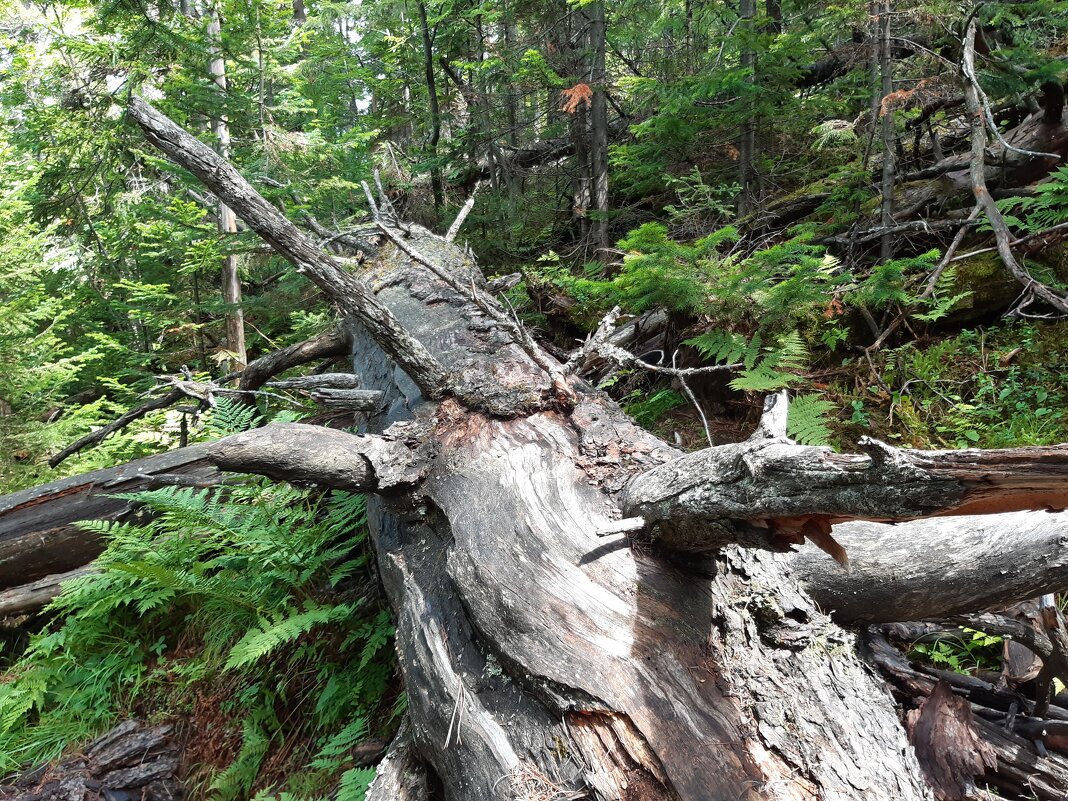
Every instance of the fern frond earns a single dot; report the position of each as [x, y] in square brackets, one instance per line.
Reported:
[354, 783]
[230, 417]
[808, 421]
[257, 643]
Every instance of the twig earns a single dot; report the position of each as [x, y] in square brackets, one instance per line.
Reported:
[972, 96]
[118, 423]
[623, 358]
[693, 400]
[454, 229]
[1037, 235]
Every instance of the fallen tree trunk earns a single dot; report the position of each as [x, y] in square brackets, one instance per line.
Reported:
[538, 660]
[130, 761]
[38, 537]
[939, 566]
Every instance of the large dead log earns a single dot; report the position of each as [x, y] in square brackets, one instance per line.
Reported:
[537, 660]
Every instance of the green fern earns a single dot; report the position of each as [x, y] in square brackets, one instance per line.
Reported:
[230, 417]
[1047, 207]
[725, 347]
[763, 369]
[268, 582]
[808, 420]
[354, 784]
[258, 643]
[236, 781]
[943, 300]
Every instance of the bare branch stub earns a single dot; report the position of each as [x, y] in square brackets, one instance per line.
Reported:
[306, 454]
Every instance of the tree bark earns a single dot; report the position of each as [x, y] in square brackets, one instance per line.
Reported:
[435, 109]
[537, 658]
[747, 141]
[886, 128]
[599, 126]
[517, 627]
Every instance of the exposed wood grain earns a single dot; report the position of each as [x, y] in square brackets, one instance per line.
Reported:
[514, 621]
[307, 454]
[940, 566]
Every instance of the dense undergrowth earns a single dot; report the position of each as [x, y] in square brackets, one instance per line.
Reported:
[251, 617]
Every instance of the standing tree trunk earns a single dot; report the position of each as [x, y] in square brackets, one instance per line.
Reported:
[599, 126]
[435, 109]
[231, 280]
[886, 122]
[747, 143]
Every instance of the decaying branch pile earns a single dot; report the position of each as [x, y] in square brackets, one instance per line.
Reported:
[544, 660]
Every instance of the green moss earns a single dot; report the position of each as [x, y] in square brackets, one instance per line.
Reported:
[990, 283]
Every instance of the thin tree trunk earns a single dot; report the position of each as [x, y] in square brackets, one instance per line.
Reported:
[435, 109]
[747, 143]
[231, 279]
[510, 34]
[886, 129]
[599, 126]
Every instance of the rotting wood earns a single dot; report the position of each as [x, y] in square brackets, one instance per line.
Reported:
[130, 761]
[26, 599]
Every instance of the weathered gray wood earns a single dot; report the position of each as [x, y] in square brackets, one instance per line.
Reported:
[324, 380]
[361, 400]
[400, 776]
[519, 630]
[37, 535]
[36, 595]
[938, 567]
[306, 454]
[768, 492]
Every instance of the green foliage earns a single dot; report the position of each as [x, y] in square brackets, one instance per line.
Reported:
[647, 411]
[1047, 207]
[998, 387]
[230, 417]
[971, 652]
[808, 419]
[261, 592]
[761, 368]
